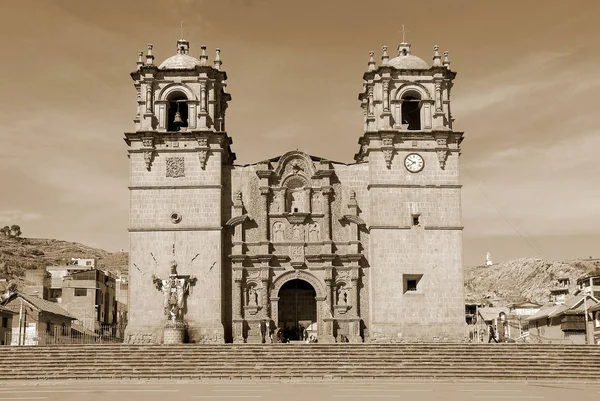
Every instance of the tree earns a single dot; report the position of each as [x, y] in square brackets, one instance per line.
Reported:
[5, 230]
[15, 230]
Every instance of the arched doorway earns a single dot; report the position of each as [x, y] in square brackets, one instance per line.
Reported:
[297, 308]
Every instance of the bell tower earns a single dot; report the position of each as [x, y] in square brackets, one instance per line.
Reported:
[412, 152]
[177, 155]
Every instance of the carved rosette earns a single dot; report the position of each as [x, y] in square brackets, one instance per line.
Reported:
[203, 151]
[175, 167]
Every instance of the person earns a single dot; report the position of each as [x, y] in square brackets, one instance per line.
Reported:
[492, 335]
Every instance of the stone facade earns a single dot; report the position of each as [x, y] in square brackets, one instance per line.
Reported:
[379, 240]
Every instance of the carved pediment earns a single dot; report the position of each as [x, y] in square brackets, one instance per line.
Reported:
[295, 163]
[234, 221]
[353, 219]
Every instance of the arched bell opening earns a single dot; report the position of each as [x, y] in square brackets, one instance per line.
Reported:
[411, 111]
[297, 309]
[177, 113]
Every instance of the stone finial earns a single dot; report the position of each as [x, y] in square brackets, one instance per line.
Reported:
[149, 56]
[384, 57]
[352, 194]
[446, 60]
[371, 62]
[140, 61]
[217, 63]
[203, 56]
[436, 56]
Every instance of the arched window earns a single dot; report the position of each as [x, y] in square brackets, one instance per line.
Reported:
[411, 111]
[177, 113]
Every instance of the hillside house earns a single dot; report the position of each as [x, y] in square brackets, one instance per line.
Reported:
[90, 296]
[6, 317]
[561, 291]
[58, 273]
[37, 283]
[563, 323]
[589, 285]
[39, 322]
[488, 316]
[90, 263]
[595, 318]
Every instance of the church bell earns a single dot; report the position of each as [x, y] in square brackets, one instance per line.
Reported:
[177, 120]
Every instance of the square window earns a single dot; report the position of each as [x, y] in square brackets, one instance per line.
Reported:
[415, 219]
[411, 283]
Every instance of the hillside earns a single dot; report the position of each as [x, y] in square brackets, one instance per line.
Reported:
[522, 279]
[20, 254]
[502, 283]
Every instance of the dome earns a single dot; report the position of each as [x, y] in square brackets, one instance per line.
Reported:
[179, 62]
[408, 62]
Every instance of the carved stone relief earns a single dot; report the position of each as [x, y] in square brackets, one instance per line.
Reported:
[314, 232]
[202, 156]
[175, 167]
[316, 204]
[297, 254]
[278, 232]
[298, 233]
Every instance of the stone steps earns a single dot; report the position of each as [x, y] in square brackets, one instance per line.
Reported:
[303, 361]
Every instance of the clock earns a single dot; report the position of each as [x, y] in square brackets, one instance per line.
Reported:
[414, 163]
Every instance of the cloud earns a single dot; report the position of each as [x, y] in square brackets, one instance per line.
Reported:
[17, 217]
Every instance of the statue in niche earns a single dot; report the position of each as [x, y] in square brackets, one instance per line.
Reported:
[278, 232]
[275, 203]
[297, 233]
[317, 204]
[314, 232]
[274, 206]
[296, 201]
[342, 296]
[252, 297]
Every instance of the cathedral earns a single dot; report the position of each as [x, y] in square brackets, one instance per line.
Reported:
[297, 245]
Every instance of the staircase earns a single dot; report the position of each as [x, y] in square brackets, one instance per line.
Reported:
[304, 362]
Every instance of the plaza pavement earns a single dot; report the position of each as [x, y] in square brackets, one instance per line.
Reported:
[159, 390]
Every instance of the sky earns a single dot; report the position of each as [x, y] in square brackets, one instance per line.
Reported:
[525, 96]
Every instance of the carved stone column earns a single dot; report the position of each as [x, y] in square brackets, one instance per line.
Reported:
[355, 291]
[264, 173]
[354, 324]
[264, 278]
[238, 321]
[149, 98]
[386, 97]
[327, 214]
[275, 310]
[327, 319]
[438, 97]
[264, 207]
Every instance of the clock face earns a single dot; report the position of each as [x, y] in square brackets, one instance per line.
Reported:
[414, 163]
